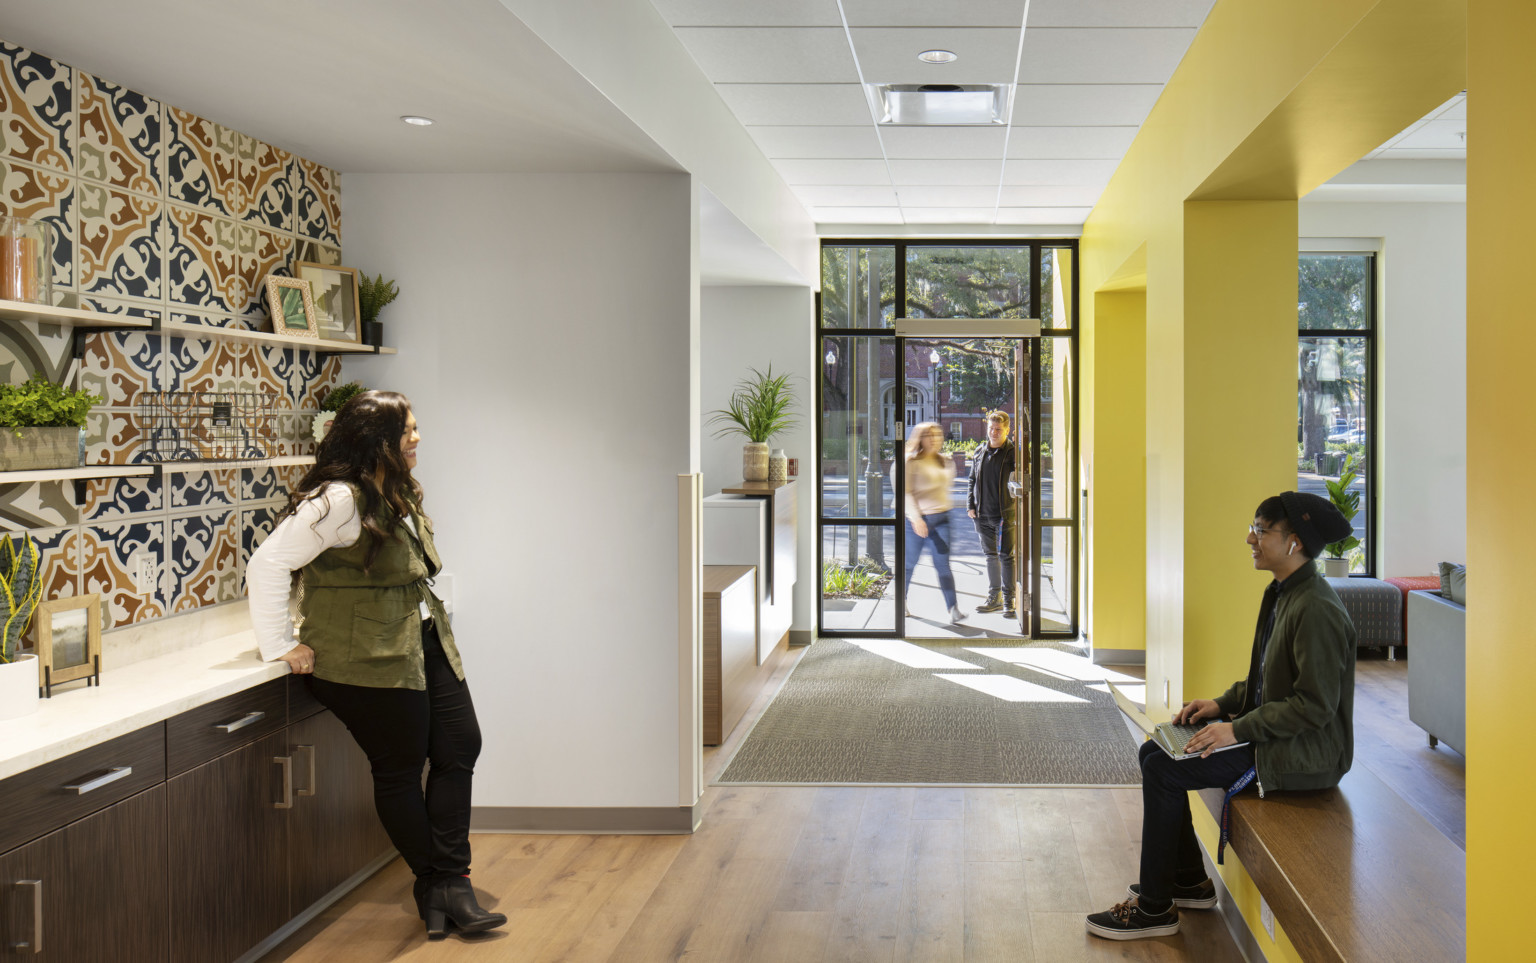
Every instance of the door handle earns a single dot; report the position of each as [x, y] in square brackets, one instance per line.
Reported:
[287, 763]
[308, 790]
[118, 772]
[35, 945]
[242, 722]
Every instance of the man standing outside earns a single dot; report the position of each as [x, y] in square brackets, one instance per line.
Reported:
[990, 504]
[1295, 710]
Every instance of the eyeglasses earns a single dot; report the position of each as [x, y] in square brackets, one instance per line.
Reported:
[1258, 532]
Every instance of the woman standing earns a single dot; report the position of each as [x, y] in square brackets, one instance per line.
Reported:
[376, 643]
[930, 476]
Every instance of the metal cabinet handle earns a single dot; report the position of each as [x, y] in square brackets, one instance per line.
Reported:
[287, 763]
[310, 789]
[242, 722]
[118, 772]
[35, 946]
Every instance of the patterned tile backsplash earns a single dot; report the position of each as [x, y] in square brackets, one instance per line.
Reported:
[157, 212]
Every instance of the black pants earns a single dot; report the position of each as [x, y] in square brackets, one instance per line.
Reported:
[402, 729]
[1170, 852]
[996, 534]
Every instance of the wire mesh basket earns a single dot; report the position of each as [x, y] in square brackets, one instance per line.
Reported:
[209, 425]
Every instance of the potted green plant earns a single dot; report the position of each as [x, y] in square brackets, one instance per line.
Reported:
[1347, 501]
[40, 424]
[21, 588]
[334, 399]
[372, 294]
[761, 406]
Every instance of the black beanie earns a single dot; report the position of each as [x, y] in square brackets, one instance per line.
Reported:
[1315, 520]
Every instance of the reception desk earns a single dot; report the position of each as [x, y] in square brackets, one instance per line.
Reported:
[754, 523]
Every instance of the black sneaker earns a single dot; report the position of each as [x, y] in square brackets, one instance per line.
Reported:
[1127, 922]
[993, 603]
[1009, 612]
[1199, 896]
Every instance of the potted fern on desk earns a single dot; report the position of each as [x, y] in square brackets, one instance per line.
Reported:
[761, 406]
[40, 424]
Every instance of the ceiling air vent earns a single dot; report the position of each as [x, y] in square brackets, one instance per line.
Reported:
[941, 105]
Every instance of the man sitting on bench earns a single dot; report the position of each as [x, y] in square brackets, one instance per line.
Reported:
[1294, 710]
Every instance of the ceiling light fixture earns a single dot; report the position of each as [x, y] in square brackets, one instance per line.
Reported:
[416, 121]
[956, 105]
[938, 56]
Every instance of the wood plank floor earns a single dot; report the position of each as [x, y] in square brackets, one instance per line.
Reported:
[849, 874]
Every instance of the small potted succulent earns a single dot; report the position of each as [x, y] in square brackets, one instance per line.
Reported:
[372, 294]
[334, 399]
[761, 406]
[41, 424]
[21, 588]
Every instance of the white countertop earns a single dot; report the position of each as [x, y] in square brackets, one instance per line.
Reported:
[131, 697]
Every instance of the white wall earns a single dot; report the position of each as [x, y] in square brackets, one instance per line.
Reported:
[1422, 382]
[754, 327]
[548, 332]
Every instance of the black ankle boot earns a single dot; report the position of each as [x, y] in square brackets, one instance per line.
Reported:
[453, 901]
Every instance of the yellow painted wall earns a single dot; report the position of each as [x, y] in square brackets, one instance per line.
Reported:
[1501, 475]
[1240, 886]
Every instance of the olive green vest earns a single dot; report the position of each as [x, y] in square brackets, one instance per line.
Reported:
[365, 627]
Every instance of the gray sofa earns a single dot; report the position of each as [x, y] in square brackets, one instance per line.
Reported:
[1437, 668]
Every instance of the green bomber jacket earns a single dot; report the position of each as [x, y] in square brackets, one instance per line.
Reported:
[365, 626]
[1303, 733]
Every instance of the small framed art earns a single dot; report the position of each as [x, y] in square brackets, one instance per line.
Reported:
[69, 640]
[292, 307]
[336, 300]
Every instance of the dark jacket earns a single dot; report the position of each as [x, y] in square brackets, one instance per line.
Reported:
[1303, 733]
[988, 492]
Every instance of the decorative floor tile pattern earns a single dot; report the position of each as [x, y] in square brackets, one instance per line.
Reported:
[847, 715]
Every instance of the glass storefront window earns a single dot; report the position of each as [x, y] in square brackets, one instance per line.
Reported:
[858, 592]
[861, 426]
[858, 287]
[1333, 292]
[967, 282]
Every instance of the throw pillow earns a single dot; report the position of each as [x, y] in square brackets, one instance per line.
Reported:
[1453, 582]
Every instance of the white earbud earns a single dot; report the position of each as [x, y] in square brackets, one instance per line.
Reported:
[1292, 550]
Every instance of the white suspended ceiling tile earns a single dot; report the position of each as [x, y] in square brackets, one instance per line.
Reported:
[834, 105]
[1119, 13]
[1421, 153]
[943, 142]
[1043, 215]
[833, 172]
[856, 215]
[923, 13]
[750, 13]
[1095, 173]
[846, 195]
[888, 55]
[1046, 195]
[771, 55]
[1054, 142]
[1453, 109]
[1054, 55]
[921, 173]
[1083, 105]
[804, 142]
[947, 215]
[947, 196]
[1434, 135]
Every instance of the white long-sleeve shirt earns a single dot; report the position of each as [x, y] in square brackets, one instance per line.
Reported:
[328, 520]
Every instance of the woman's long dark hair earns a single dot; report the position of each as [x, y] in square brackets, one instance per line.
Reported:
[363, 448]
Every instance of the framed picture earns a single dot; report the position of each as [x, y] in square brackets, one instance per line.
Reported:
[336, 301]
[68, 638]
[292, 307]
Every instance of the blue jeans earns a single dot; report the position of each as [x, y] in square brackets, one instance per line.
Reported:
[938, 541]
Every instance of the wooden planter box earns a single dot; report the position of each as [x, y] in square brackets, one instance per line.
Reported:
[39, 448]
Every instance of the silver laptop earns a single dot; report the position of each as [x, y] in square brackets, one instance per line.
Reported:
[1171, 737]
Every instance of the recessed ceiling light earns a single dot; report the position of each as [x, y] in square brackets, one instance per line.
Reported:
[960, 105]
[416, 121]
[938, 56]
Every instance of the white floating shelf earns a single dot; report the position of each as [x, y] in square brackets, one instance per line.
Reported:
[48, 314]
[68, 474]
[282, 461]
[215, 333]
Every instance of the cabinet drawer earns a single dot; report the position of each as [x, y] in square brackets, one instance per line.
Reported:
[44, 798]
[201, 734]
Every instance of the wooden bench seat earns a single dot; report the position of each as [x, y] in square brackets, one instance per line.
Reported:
[1352, 873]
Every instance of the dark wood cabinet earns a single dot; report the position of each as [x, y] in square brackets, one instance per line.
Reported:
[228, 842]
[94, 890]
[333, 829]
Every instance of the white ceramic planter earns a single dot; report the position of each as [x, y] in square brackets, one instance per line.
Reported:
[18, 687]
[1336, 567]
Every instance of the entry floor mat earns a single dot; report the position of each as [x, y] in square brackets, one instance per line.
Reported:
[946, 712]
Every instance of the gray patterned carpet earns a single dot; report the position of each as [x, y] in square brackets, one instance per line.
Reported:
[968, 712]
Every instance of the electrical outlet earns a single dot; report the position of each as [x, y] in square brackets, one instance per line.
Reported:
[1267, 917]
[145, 572]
